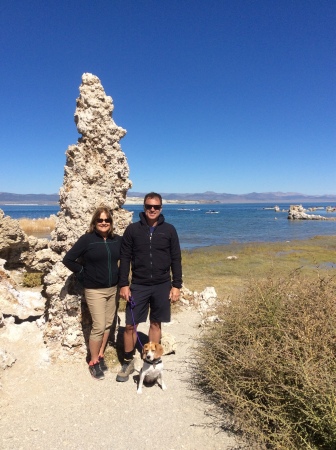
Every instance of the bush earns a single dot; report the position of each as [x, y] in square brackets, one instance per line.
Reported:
[271, 362]
[32, 279]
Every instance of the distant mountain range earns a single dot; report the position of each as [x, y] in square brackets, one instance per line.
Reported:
[25, 199]
[205, 197]
[253, 197]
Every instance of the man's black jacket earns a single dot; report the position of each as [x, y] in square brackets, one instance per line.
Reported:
[153, 258]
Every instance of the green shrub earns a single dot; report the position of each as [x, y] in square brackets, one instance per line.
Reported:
[32, 279]
[271, 362]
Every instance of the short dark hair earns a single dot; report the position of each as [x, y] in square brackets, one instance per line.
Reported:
[153, 195]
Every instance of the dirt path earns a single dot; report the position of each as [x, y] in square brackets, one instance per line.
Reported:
[59, 406]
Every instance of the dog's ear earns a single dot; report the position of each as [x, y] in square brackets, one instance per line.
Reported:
[158, 351]
[144, 351]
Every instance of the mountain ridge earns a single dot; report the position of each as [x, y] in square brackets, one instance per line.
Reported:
[205, 197]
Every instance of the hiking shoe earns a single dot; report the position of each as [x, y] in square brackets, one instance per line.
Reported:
[125, 371]
[96, 371]
[102, 364]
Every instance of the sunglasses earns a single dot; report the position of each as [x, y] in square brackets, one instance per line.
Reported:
[104, 220]
[156, 207]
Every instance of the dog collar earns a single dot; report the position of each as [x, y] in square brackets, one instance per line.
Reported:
[155, 361]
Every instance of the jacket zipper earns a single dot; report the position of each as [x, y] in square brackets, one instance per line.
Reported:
[150, 253]
[109, 263]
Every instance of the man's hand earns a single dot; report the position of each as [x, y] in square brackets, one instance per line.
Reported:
[125, 293]
[174, 294]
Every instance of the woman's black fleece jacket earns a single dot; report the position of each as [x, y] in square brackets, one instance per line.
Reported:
[94, 260]
[153, 257]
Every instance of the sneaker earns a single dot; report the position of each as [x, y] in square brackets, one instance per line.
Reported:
[102, 364]
[96, 371]
[125, 371]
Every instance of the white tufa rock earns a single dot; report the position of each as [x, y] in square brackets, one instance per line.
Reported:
[168, 343]
[297, 212]
[96, 173]
[209, 319]
[207, 300]
[6, 359]
[20, 303]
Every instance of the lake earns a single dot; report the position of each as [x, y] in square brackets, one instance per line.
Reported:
[229, 223]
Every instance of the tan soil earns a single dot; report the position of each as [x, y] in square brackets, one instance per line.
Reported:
[60, 406]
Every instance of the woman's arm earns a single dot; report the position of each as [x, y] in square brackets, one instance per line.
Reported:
[70, 258]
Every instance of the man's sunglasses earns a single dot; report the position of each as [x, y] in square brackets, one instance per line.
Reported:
[156, 207]
[104, 220]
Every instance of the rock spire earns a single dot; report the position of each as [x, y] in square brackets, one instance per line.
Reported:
[96, 173]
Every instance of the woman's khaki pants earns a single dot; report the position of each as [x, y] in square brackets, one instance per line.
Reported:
[102, 304]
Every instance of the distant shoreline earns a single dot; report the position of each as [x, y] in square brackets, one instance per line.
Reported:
[139, 201]
[209, 197]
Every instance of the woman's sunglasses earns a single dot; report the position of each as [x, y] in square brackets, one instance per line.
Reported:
[104, 220]
[156, 207]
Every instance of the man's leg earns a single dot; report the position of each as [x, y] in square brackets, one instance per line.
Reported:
[138, 313]
[129, 343]
[159, 310]
[130, 338]
[154, 333]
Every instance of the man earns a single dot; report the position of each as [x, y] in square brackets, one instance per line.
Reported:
[151, 246]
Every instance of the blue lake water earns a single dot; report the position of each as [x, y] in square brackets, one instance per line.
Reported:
[232, 223]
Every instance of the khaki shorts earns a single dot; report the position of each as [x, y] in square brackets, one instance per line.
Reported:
[102, 304]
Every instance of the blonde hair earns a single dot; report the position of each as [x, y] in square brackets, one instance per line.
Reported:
[96, 215]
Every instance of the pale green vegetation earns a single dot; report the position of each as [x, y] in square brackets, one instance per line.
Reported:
[269, 364]
[32, 279]
[210, 267]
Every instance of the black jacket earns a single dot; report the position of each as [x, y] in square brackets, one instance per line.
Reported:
[153, 257]
[97, 265]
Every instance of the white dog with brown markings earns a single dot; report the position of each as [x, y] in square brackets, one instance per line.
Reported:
[152, 369]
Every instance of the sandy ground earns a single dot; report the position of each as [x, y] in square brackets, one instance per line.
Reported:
[60, 406]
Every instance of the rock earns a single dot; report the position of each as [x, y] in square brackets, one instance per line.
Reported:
[19, 250]
[96, 173]
[6, 359]
[187, 297]
[13, 242]
[21, 304]
[207, 300]
[168, 343]
[96, 170]
[209, 320]
[297, 212]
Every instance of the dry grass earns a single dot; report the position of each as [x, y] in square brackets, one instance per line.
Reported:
[270, 362]
[38, 226]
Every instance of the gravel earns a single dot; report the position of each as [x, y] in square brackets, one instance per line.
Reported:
[60, 406]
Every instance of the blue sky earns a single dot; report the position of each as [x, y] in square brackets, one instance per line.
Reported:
[231, 96]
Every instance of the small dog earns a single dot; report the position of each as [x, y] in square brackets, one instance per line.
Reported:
[152, 367]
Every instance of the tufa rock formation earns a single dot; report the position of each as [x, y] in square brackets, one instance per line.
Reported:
[20, 250]
[297, 212]
[96, 173]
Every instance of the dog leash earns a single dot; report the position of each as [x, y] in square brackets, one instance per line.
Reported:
[132, 306]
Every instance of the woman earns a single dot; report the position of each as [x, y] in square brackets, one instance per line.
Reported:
[97, 269]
